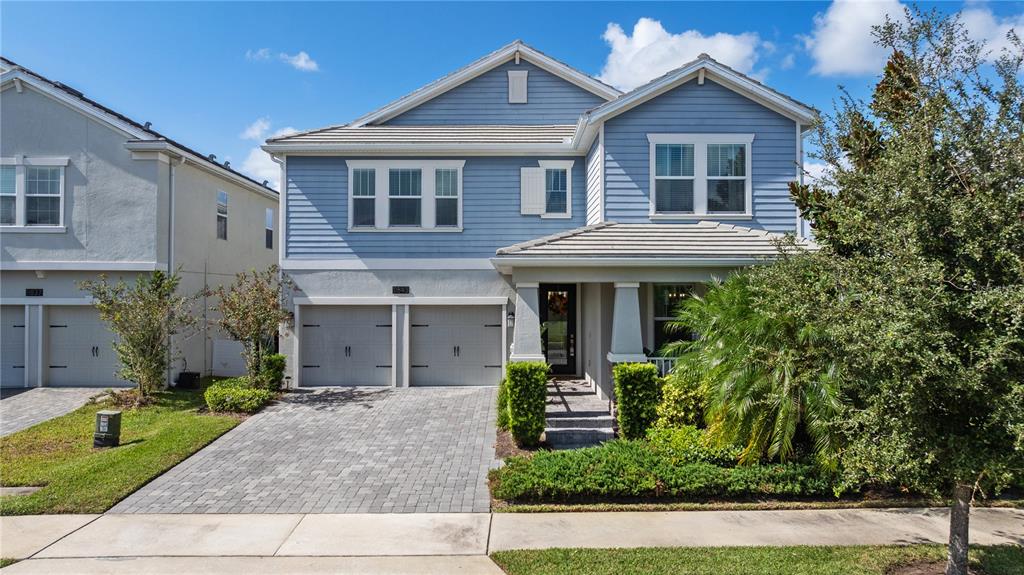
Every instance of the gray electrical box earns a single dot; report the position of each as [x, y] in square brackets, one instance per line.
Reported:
[108, 429]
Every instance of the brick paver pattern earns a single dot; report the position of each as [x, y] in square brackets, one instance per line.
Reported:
[341, 450]
[23, 409]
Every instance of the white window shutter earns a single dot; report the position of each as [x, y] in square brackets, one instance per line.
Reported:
[531, 191]
[517, 86]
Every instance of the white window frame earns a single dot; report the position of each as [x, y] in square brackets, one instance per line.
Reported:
[457, 197]
[383, 193]
[559, 165]
[21, 199]
[700, 175]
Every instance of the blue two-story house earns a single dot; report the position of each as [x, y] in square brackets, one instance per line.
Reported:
[518, 209]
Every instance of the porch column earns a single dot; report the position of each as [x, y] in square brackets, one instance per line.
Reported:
[627, 342]
[526, 344]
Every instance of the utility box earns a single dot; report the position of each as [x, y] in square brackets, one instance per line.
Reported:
[108, 429]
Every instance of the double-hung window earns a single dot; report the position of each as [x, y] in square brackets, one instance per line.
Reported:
[405, 193]
[446, 197]
[222, 215]
[556, 192]
[699, 175]
[546, 190]
[32, 192]
[364, 197]
[268, 232]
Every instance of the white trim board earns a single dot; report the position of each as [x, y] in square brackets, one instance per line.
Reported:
[46, 301]
[82, 266]
[401, 300]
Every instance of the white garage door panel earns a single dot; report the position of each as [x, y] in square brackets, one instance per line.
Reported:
[80, 353]
[12, 346]
[346, 345]
[455, 345]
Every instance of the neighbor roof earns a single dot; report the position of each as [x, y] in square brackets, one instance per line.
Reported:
[700, 241]
[12, 71]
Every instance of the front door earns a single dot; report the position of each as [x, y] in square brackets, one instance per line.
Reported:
[558, 326]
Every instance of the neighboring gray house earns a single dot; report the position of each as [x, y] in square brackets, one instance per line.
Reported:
[518, 209]
[86, 191]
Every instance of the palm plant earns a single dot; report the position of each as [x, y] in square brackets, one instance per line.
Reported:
[765, 376]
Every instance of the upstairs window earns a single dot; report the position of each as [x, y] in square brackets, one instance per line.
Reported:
[32, 192]
[546, 190]
[556, 194]
[673, 178]
[268, 239]
[696, 175]
[446, 197]
[222, 215]
[405, 190]
[364, 197]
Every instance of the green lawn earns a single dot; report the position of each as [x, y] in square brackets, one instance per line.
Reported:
[58, 454]
[747, 560]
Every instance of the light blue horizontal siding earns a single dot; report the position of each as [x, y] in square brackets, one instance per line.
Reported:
[594, 183]
[484, 100]
[317, 218]
[710, 108]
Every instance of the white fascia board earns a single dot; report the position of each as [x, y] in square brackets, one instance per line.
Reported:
[46, 301]
[479, 67]
[163, 146]
[426, 149]
[387, 264]
[506, 263]
[81, 266]
[401, 300]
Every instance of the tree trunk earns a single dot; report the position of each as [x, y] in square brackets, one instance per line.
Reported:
[959, 520]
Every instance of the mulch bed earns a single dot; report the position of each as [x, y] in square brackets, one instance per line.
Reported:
[506, 447]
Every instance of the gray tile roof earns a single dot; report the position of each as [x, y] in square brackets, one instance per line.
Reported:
[449, 134]
[703, 239]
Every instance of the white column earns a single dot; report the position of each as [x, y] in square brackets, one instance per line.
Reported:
[526, 345]
[627, 340]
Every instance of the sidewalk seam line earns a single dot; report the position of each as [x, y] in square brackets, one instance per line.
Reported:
[490, 527]
[55, 541]
[290, 532]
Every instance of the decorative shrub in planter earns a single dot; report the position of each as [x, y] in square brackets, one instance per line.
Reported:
[637, 394]
[526, 384]
[236, 395]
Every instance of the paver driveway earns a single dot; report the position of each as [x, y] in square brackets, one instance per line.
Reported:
[341, 450]
[23, 408]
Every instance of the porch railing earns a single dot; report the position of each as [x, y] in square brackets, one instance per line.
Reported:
[664, 364]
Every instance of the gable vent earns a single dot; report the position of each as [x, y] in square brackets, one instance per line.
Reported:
[517, 86]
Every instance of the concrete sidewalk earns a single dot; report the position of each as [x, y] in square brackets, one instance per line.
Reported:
[441, 542]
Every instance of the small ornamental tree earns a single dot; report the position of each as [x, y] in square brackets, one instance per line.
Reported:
[145, 317]
[251, 311]
[920, 279]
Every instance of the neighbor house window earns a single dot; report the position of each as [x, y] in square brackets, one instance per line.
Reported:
[268, 239]
[667, 299]
[364, 197]
[694, 175]
[405, 192]
[673, 178]
[556, 192]
[32, 192]
[222, 215]
[405, 195]
[446, 197]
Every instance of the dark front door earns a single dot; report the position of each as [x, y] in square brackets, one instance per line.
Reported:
[558, 326]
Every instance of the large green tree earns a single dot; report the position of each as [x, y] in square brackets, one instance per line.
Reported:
[920, 279]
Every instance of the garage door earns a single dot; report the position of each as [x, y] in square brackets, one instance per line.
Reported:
[455, 345]
[12, 346]
[79, 351]
[346, 345]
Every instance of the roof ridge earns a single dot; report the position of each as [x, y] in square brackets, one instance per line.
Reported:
[553, 237]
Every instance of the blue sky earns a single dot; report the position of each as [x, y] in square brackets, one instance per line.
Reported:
[221, 76]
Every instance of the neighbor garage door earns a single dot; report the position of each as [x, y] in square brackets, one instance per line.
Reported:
[79, 351]
[12, 346]
[346, 345]
[455, 345]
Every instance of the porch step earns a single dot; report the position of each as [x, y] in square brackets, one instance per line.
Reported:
[594, 413]
[562, 437]
[576, 417]
[577, 420]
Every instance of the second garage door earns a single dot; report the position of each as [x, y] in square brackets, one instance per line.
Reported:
[455, 345]
[79, 350]
[346, 345]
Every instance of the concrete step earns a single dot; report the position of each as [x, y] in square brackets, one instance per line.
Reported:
[559, 436]
[569, 420]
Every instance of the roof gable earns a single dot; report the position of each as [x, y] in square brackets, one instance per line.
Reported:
[513, 51]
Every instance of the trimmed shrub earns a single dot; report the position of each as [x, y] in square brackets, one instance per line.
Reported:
[502, 422]
[272, 371]
[687, 444]
[526, 384]
[634, 469]
[682, 401]
[637, 394]
[236, 395]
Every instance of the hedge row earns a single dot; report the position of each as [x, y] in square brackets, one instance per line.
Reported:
[637, 394]
[526, 395]
[236, 395]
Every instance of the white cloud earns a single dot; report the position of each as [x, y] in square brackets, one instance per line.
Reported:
[651, 51]
[814, 171]
[256, 130]
[256, 55]
[287, 131]
[300, 61]
[788, 61]
[841, 42]
[983, 26]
